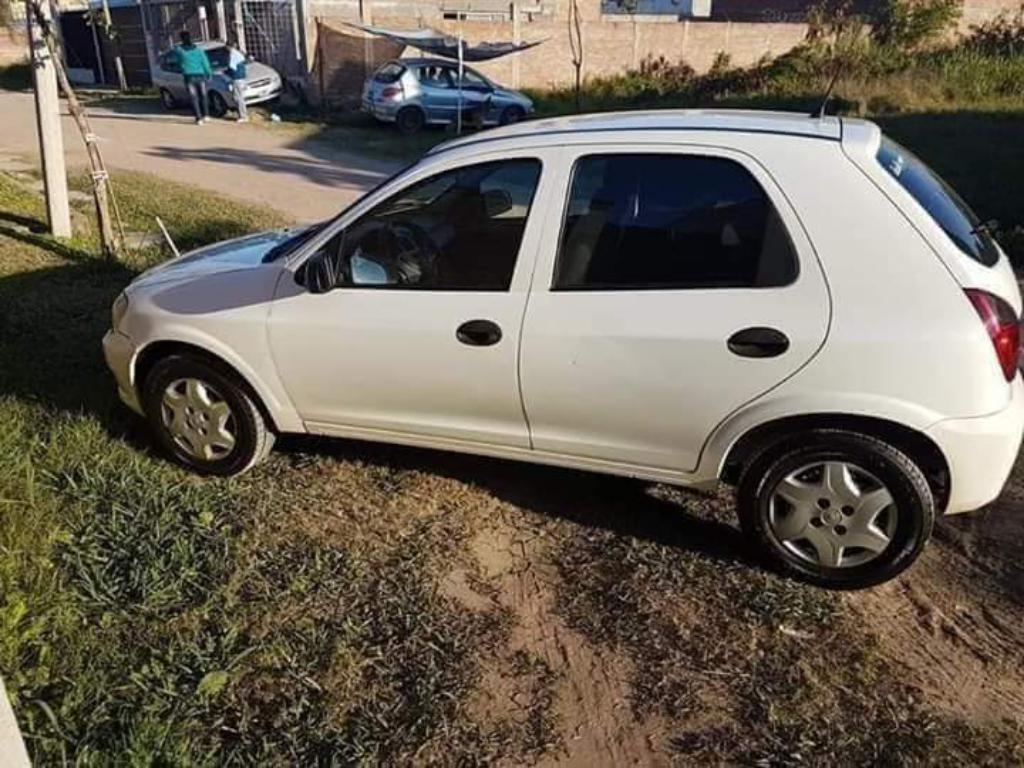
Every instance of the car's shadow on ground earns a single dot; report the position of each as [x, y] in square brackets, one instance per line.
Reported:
[52, 321]
[676, 518]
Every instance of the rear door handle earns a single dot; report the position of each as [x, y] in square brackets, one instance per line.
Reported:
[758, 342]
[478, 333]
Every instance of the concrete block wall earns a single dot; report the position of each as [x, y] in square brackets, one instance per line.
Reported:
[613, 43]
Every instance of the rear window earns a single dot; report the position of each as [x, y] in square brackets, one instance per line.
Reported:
[389, 73]
[942, 203]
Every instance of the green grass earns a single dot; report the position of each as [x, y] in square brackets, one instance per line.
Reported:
[151, 617]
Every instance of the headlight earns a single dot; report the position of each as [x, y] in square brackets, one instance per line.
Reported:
[118, 310]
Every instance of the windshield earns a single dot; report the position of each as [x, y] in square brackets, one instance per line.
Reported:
[218, 56]
[942, 203]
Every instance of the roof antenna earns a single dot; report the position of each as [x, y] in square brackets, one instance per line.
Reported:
[820, 111]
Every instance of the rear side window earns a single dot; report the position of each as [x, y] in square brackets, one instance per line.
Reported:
[389, 73]
[646, 221]
[941, 202]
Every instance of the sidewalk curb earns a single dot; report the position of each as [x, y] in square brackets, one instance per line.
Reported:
[12, 748]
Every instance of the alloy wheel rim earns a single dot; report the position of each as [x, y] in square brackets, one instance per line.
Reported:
[833, 514]
[198, 419]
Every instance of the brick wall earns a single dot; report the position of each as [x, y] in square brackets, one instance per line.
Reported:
[612, 43]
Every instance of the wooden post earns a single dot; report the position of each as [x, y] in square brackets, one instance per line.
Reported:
[51, 140]
[109, 246]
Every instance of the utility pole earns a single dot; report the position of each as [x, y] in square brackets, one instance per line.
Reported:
[51, 140]
[108, 30]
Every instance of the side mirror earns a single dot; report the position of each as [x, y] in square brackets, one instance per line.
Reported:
[497, 202]
[320, 273]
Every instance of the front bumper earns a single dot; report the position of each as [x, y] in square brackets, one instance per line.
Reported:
[119, 352]
[981, 452]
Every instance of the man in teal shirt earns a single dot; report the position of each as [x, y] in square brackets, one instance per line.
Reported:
[196, 69]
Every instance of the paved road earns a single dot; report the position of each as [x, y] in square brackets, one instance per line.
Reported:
[303, 178]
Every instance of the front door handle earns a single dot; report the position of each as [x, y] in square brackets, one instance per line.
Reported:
[758, 342]
[478, 333]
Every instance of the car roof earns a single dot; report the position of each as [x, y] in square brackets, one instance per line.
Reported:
[727, 120]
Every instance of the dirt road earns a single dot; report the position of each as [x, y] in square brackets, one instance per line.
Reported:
[274, 165]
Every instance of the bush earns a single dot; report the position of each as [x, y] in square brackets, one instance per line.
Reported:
[1001, 36]
[909, 25]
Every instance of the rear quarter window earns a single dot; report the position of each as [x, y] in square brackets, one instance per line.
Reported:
[941, 201]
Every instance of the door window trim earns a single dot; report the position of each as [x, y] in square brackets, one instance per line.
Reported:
[428, 167]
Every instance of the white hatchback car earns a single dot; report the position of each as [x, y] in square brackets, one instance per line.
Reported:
[794, 305]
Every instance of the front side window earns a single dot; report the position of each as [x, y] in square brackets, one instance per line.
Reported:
[458, 230]
[941, 202]
[648, 221]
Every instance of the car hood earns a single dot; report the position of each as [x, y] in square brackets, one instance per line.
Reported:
[507, 93]
[254, 70]
[229, 256]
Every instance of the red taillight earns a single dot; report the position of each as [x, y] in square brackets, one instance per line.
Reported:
[1003, 328]
[391, 92]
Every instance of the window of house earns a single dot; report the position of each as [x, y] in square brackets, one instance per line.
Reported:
[458, 230]
[649, 221]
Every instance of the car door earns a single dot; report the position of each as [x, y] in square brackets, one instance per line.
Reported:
[420, 342]
[675, 285]
[437, 93]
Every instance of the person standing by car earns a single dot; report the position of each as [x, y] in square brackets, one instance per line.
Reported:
[196, 69]
[237, 73]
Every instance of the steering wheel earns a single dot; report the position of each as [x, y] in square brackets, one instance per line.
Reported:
[412, 252]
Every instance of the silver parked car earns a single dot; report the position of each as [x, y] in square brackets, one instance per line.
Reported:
[262, 83]
[412, 93]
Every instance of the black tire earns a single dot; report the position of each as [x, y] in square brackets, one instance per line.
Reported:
[511, 114]
[913, 504]
[409, 120]
[253, 438]
[167, 99]
[218, 106]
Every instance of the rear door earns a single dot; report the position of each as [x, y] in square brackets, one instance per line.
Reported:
[675, 285]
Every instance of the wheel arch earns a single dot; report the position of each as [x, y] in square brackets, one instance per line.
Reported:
[915, 444]
[152, 353]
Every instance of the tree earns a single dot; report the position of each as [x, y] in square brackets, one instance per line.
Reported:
[576, 48]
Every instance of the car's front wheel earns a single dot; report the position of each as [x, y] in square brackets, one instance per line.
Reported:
[511, 114]
[836, 508]
[204, 417]
[167, 99]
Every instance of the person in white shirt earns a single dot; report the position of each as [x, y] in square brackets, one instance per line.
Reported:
[236, 71]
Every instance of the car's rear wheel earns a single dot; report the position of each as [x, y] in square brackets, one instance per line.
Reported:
[511, 114]
[409, 120]
[204, 417]
[167, 99]
[836, 508]
[218, 105]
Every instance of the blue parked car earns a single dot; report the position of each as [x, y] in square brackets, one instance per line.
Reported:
[412, 93]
